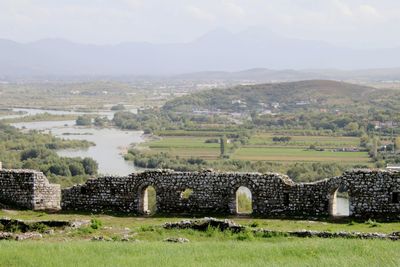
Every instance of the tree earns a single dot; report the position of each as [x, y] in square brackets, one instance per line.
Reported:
[90, 166]
[41, 153]
[76, 168]
[84, 120]
[118, 107]
[222, 145]
[374, 148]
[60, 168]
[397, 143]
[100, 122]
[352, 126]
[364, 139]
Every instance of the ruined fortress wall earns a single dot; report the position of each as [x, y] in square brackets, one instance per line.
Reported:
[374, 193]
[28, 189]
[371, 193]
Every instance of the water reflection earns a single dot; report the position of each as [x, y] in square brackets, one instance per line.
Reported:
[32, 111]
[110, 143]
[342, 206]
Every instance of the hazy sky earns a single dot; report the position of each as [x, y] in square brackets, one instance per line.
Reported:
[358, 23]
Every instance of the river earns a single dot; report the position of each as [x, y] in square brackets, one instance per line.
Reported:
[110, 142]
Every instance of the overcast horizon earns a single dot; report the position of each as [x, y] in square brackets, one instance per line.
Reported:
[352, 23]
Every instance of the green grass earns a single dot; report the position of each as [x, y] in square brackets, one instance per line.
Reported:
[182, 142]
[196, 133]
[268, 252]
[283, 154]
[262, 148]
[210, 248]
[119, 223]
[185, 147]
[306, 141]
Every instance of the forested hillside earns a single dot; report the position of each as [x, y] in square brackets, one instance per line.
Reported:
[286, 96]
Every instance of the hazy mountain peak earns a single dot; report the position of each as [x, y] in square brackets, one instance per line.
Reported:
[216, 35]
[218, 50]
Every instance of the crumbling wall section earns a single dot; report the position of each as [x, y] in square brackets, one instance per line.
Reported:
[28, 189]
[371, 193]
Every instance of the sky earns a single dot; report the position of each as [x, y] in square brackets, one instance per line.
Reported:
[353, 23]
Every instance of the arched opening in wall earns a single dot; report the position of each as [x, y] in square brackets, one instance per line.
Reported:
[185, 194]
[148, 201]
[339, 202]
[244, 201]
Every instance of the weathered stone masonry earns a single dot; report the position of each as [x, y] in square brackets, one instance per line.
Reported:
[372, 193]
[28, 189]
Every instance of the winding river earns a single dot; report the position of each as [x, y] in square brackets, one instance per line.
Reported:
[110, 142]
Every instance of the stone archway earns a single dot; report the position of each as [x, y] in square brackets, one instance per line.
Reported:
[339, 202]
[148, 200]
[243, 200]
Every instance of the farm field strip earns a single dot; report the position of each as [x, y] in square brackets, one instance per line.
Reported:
[293, 154]
[262, 148]
[205, 153]
[339, 141]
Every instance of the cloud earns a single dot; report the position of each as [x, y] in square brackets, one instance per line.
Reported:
[200, 14]
[113, 21]
[368, 10]
[233, 9]
[134, 4]
[344, 9]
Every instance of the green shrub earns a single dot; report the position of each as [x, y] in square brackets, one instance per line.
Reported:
[14, 228]
[146, 228]
[95, 224]
[245, 235]
[254, 224]
[85, 230]
[83, 120]
[39, 227]
[372, 223]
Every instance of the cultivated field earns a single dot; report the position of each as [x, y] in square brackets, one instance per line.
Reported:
[306, 141]
[261, 147]
[185, 146]
[282, 154]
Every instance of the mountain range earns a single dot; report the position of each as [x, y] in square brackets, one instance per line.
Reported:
[218, 50]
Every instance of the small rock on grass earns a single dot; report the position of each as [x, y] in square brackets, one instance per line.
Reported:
[176, 240]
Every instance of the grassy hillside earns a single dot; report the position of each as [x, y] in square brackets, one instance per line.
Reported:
[315, 93]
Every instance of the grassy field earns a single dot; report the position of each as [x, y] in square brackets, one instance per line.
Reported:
[306, 141]
[283, 154]
[271, 252]
[88, 95]
[262, 148]
[120, 223]
[186, 147]
[74, 247]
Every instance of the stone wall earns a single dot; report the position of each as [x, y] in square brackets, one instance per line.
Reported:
[372, 194]
[28, 189]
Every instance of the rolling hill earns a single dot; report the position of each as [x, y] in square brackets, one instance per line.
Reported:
[318, 93]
